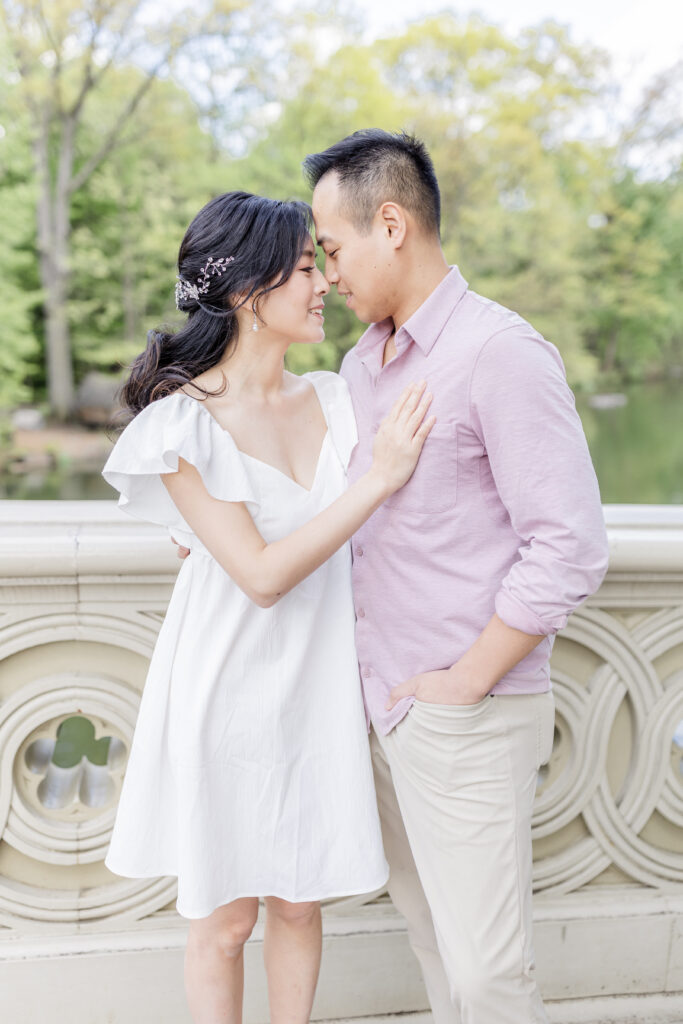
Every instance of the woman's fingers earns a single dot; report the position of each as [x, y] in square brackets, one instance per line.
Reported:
[413, 413]
[423, 430]
[418, 415]
[410, 405]
[396, 408]
[401, 435]
[414, 399]
[406, 400]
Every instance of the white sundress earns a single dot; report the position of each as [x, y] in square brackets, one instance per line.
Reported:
[249, 772]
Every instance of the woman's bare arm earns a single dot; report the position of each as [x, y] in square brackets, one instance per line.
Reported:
[265, 572]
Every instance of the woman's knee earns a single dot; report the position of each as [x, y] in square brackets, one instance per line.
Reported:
[292, 913]
[226, 930]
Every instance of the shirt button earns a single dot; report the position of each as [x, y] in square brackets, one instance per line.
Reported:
[361, 613]
[359, 551]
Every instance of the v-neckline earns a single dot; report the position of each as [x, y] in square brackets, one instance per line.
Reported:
[261, 462]
[280, 472]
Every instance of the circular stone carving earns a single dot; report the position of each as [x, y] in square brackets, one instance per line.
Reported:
[64, 837]
[577, 784]
[135, 632]
[72, 767]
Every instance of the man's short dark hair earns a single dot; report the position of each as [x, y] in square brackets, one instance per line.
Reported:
[375, 167]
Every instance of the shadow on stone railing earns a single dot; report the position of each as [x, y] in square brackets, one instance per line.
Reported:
[82, 595]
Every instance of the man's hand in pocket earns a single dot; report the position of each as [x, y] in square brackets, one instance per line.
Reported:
[442, 687]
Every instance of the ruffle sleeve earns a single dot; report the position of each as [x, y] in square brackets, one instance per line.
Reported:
[333, 392]
[174, 427]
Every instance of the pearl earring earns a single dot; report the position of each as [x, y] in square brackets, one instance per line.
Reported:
[254, 326]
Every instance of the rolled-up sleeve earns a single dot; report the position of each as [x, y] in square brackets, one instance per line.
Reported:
[525, 415]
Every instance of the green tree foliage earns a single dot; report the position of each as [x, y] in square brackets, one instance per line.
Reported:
[21, 297]
[523, 181]
[632, 263]
[350, 93]
[128, 222]
[498, 115]
[61, 56]
[578, 227]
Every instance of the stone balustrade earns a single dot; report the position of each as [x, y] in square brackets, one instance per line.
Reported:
[83, 590]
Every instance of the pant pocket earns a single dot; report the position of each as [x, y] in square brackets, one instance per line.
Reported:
[464, 710]
[545, 728]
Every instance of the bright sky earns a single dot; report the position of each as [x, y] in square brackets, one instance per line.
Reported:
[644, 36]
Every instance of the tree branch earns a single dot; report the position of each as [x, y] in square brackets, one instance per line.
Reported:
[92, 80]
[48, 32]
[110, 142]
[24, 63]
[96, 159]
[89, 80]
[116, 51]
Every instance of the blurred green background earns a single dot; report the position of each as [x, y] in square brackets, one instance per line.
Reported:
[119, 120]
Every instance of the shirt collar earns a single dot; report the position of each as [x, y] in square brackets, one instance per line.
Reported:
[423, 327]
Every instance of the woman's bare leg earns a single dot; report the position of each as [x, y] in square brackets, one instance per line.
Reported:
[292, 948]
[214, 962]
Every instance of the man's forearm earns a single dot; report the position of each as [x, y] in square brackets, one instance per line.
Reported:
[497, 649]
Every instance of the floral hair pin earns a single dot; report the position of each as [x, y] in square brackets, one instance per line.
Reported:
[188, 290]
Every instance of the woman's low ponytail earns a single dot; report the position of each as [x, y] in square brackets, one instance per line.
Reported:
[172, 360]
[135, 393]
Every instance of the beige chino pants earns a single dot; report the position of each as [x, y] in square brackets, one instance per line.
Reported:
[455, 788]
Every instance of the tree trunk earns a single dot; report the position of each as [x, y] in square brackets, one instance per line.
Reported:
[61, 390]
[128, 281]
[53, 212]
[610, 358]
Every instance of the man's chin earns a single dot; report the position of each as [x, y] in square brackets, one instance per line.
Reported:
[366, 316]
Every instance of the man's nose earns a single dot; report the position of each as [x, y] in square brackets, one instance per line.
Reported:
[331, 275]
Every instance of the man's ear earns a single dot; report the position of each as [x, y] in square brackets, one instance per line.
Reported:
[394, 224]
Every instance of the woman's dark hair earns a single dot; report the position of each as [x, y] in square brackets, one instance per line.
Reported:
[260, 241]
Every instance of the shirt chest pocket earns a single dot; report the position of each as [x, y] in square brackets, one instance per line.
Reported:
[433, 486]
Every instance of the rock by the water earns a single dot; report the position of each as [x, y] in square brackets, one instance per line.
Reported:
[27, 419]
[607, 401]
[96, 401]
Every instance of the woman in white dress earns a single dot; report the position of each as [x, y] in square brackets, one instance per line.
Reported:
[249, 774]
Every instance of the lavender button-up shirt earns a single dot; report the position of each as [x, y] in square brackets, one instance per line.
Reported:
[502, 513]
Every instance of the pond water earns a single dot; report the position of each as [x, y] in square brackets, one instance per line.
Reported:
[62, 484]
[637, 449]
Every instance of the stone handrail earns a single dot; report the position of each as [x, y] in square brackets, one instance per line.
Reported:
[43, 538]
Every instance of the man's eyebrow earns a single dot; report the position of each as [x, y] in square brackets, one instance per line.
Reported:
[322, 240]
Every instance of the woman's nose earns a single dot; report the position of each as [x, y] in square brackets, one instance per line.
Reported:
[322, 286]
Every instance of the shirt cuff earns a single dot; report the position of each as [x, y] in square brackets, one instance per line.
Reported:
[518, 616]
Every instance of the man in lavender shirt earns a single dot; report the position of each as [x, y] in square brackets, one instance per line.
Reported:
[461, 579]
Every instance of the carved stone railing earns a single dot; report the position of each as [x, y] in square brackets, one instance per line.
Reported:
[83, 590]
